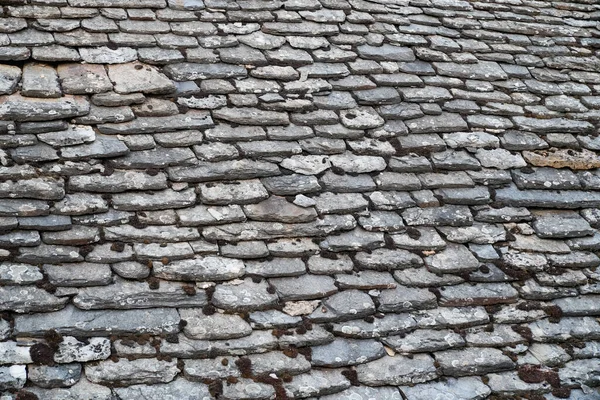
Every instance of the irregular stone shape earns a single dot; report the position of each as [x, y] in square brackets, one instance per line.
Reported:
[580, 372]
[244, 296]
[345, 352]
[306, 165]
[105, 55]
[72, 321]
[305, 287]
[278, 209]
[513, 197]
[480, 295]
[345, 305]
[386, 52]
[193, 119]
[237, 192]
[9, 77]
[562, 225]
[72, 350]
[251, 116]
[247, 389]
[80, 274]
[19, 274]
[279, 363]
[20, 238]
[361, 118]
[365, 393]
[123, 294]
[190, 72]
[550, 125]
[19, 108]
[29, 299]
[563, 158]
[75, 134]
[128, 233]
[159, 200]
[404, 298]
[425, 340]
[200, 269]
[210, 171]
[578, 306]
[473, 361]
[316, 383]
[118, 181]
[12, 377]
[455, 258]
[82, 390]
[398, 370]
[12, 353]
[137, 77]
[215, 326]
[482, 70]
[39, 80]
[45, 376]
[468, 388]
[450, 215]
[144, 370]
[210, 215]
[445, 122]
[276, 267]
[256, 230]
[83, 78]
[177, 389]
[102, 147]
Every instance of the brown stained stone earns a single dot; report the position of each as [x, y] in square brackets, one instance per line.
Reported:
[563, 158]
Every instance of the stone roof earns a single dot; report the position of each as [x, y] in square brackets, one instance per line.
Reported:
[301, 199]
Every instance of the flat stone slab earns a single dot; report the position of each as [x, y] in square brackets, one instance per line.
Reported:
[397, 370]
[72, 321]
[137, 77]
[19, 108]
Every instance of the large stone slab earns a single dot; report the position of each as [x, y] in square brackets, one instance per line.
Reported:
[83, 78]
[19, 108]
[398, 370]
[125, 372]
[72, 321]
[29, 299]
[137, 77]
[191, 72]
[251, 116]
[201, 269]
[124, 294]
[193, 119]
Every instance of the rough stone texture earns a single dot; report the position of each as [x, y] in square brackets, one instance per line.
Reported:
[316, 199]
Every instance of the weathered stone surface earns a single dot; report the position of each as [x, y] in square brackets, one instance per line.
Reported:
[82, 390]
[39, 80]
[133, 372]
[398, 370]
[118, 181]
[64, 375]
[124, 294]
[189, 71]
[137, 77]
[72, 350]
[316, 383]
[72, 321]
[344, 352]
[201, 268]
[563, 158]
[464, 388]
[257, 230]
[211, 171]
[178, 388]
[18, 108]
[193, 119]
[29, 299]
[211, 327]
[472, 361]
[304, 287]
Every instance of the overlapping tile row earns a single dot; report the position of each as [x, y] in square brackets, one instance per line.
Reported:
[302, 199]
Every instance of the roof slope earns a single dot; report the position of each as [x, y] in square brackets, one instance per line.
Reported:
[324, 199]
